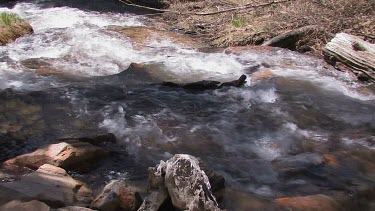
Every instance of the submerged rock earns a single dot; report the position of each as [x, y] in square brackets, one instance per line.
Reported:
[297, 163]
[68, 154]
[117, 195]
[53, 186]
[17, 205]
[310, 203]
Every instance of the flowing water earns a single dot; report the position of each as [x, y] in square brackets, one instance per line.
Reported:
[303, 112]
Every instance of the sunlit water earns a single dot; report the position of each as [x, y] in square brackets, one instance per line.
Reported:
[239, 132]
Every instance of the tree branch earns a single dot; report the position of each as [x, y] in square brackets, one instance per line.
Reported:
[247, 6]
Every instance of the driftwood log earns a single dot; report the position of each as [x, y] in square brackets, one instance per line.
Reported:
[289, 39]
[356, 54]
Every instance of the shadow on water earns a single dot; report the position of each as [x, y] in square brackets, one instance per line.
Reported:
[87, 5]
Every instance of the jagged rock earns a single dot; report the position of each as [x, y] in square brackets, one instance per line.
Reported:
[17, 205]
[72, 208]
[117, 195]
[309, 203]
[52, 185]
[188, 185]
[68, 154]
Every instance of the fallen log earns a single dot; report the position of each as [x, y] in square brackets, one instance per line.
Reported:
[289, 39]
[356, 54]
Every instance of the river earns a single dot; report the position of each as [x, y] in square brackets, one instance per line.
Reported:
[303, 110]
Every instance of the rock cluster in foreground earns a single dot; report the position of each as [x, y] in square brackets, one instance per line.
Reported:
[183, 182]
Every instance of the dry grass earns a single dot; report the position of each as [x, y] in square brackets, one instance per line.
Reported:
[12, 27]
[259, 24]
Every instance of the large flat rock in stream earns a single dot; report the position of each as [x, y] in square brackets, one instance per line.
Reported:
[51, 185]
[68, 154]
[141, 36]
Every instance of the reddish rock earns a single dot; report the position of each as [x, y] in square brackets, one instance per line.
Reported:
[261, 75]
[68, 154]
[117, 195]
[17, 205]
[309, 203]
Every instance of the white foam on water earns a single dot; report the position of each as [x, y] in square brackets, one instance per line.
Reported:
[362, 141]
[81, 43]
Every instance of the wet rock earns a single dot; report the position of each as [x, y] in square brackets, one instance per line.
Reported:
[238, 200]
[202, 85]
[72, 208]
[68, 154]
[188, 186]
[236, 83]
[309, 203]
[17, 205]
[35, 63]
[117, 195]
[261, 75]
[15, 30]
[158, 192]
[155, 200]
[207, 85]
[297, 163]
[53, 186]
[142, 35]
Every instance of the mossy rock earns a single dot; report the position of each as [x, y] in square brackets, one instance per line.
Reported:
[12, 27]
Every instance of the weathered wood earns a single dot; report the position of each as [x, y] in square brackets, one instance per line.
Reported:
[355, 53]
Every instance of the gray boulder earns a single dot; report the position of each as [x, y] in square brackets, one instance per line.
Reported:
[187, 184]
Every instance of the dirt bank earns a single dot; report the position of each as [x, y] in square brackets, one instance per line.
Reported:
[224, 23]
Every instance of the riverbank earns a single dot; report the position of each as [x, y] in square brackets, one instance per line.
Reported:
[223, 23]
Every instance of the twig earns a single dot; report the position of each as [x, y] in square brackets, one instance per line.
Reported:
[367, 35]
[149, 8]
[243, 7]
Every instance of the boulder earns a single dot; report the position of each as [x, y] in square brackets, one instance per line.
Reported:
[117, 195]
[17, 205]
[309, 203]
[53, 186]
[188, 185]
[68, 154]
[72, 208]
